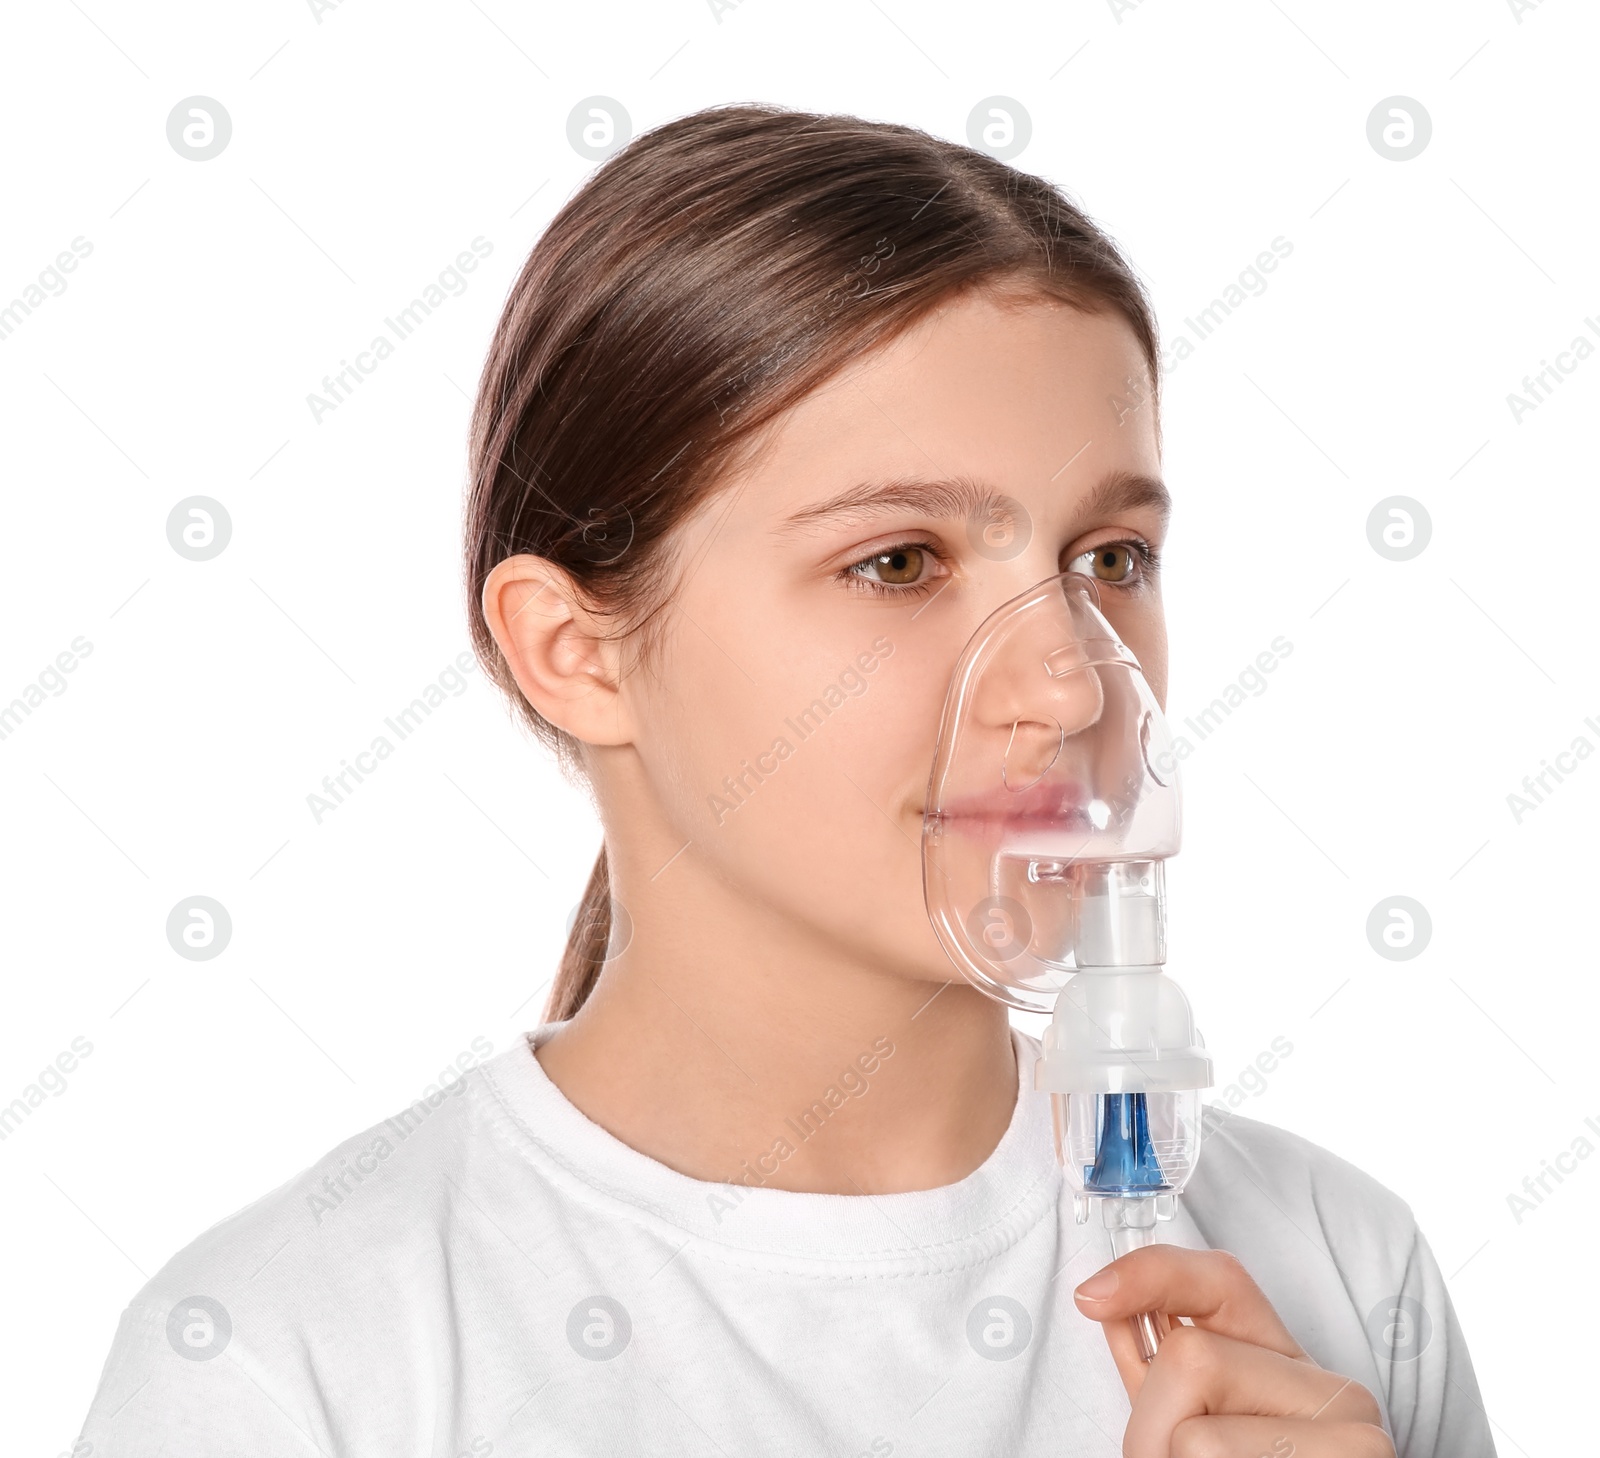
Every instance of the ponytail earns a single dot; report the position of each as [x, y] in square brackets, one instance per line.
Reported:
[585, 954]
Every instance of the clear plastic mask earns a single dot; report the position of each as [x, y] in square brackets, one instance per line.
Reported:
[1052, 802]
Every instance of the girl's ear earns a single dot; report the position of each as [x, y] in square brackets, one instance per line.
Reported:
[555, 646]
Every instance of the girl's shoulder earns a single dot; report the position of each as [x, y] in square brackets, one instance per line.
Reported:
[1247, 1164]
[1342, 1260]
[327, 1271]
[358, 1203]
[1307, 1223]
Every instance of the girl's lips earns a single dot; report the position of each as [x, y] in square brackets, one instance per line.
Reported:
[1050, 802]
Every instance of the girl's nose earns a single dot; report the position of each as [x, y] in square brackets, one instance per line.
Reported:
[1039, 686]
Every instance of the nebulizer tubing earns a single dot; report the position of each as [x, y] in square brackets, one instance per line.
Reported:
[1052, 807]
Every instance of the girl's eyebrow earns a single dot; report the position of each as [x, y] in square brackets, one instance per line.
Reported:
[963, 498]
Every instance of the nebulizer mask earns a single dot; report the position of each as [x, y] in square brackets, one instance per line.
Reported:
[1052, 808]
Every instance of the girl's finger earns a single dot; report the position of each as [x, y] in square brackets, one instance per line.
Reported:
[1199, 1373]
[1263, 1437]
[1127, 1354]
[1211, 1287]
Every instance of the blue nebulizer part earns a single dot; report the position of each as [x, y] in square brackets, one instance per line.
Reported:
[1124, 1162]
[1052, 808]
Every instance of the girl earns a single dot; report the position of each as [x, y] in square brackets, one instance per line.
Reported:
[780, 409]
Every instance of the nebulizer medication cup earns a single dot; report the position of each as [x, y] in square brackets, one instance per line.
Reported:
[1052, 807]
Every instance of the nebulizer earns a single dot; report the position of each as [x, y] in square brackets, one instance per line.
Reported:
[1052, 807]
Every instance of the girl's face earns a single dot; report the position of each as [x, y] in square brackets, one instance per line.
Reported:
[824, 596]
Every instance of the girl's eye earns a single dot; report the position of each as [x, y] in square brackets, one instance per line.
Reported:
[904, 568]
[912, 567]
[1118, 564]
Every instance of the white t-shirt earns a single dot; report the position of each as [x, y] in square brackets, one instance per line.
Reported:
[493, 1273]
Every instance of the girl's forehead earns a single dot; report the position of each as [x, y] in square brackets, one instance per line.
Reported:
[1038, 403]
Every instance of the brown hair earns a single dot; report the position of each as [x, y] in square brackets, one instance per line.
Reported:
[704, 279]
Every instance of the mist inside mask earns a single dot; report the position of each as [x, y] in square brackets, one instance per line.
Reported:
[1052, 808]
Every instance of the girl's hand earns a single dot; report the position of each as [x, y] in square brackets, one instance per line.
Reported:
[1233, 1385]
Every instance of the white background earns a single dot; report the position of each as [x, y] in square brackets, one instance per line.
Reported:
[372, 145]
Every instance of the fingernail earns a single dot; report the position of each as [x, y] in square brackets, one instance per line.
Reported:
[1098, 1286]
